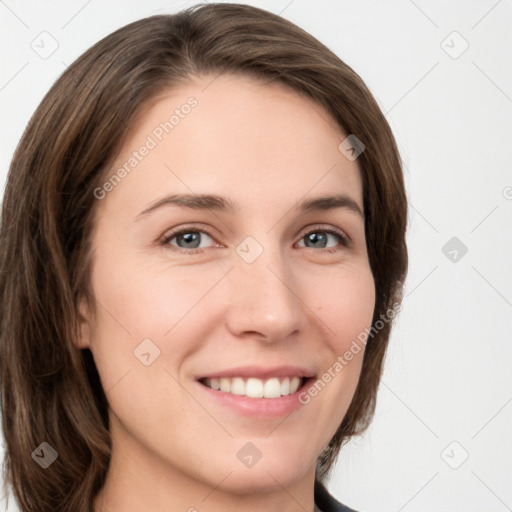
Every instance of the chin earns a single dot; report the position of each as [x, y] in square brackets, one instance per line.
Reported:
[271, 473]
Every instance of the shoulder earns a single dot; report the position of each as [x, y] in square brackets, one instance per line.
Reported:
[325, 502]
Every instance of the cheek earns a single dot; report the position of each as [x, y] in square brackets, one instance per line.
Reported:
[345, 305]
[167, 305]
[174, 305]
[148, 300]
[151, 301]
[345, 310]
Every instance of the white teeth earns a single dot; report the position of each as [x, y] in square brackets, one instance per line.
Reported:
[285, 386]
[272, 388]
[294, 384]
[256, 388]
[238, 386]
[225, 385]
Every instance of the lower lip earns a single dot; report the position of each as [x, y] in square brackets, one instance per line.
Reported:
[258, 407]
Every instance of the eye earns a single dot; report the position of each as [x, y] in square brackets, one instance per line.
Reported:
[318, 238]
[188, 240]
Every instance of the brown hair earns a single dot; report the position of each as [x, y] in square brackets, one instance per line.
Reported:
[50, 389]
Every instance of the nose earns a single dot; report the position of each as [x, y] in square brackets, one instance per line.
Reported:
[263, 302]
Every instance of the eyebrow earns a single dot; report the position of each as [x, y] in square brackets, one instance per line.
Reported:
[223, 204]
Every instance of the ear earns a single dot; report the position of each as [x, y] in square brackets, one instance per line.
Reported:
[84, 318]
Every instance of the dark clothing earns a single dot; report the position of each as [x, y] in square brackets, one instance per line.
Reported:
[325, 502]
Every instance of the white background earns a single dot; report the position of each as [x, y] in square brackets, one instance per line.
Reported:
[448, 373]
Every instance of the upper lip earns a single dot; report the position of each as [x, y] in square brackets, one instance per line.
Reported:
[261, 372]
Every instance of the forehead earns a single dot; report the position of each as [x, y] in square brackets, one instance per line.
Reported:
[233, 135]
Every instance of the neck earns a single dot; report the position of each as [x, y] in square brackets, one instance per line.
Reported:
[139, 479]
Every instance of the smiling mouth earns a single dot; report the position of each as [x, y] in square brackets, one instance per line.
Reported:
[274, 387]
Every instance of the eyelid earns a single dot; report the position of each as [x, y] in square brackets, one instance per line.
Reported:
[346, 241]
[328, 228]
[185, 229]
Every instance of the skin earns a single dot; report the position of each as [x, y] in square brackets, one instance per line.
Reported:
[267, 148]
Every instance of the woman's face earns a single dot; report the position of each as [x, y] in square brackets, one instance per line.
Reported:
[258, 293]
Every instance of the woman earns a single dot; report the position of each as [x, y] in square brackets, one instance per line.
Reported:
[203, 250]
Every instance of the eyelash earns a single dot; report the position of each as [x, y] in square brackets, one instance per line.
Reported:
[344, 240]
